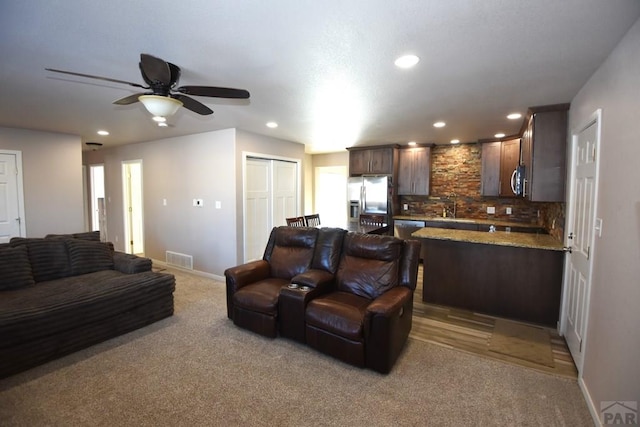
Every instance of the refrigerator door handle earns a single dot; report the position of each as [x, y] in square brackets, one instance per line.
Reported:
[363, 198]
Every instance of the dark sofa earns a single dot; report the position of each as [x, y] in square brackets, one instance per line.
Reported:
[349, 295]
[60, 294]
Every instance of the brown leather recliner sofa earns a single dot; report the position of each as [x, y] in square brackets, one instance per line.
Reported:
[348, 295]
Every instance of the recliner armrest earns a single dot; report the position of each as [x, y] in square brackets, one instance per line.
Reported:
[390, 302]
[245, 274]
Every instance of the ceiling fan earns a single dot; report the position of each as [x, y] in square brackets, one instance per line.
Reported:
[161, 98]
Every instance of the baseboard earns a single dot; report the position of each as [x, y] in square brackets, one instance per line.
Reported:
[194, 272]
[595, 412]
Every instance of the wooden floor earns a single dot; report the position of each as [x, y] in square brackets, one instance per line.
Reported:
[471, 332]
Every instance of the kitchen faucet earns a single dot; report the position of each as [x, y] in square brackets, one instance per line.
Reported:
[454, 197]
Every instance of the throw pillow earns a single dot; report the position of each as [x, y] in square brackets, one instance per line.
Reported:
[15, 269]
[48, 257]
[87, 256]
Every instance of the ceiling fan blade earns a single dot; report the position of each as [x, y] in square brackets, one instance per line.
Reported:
[217, 92]
[89, 76]
[193, 105]
[131, 99]
[156, 69]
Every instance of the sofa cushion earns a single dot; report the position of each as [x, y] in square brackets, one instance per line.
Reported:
[340, 313]
[15, 269]
[261, 296]
[369, 264]
[48, 257]
[88, 256]
[292, 252]
[86, 235]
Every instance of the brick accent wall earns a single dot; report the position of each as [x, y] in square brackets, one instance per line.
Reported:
[456, 178]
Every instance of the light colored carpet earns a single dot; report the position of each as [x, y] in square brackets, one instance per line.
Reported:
[197, 369]
[522, 341]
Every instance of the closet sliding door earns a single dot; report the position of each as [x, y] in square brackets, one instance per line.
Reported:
[271, 195]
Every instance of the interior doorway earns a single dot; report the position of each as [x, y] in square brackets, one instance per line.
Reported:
[330, 199]
[582, 226]
[133, 209]
[98, 205]
[12, 222]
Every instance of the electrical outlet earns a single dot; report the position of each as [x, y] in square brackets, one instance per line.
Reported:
[491, 209]
[164, 202]
[405, 206]
[508, 211]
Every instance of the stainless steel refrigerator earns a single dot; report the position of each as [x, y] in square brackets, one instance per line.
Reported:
[368, 194]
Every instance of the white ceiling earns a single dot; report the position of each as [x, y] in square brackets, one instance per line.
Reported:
[322, 69]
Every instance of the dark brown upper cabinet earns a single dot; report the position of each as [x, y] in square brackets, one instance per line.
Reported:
[414, 170]
[371, 160]
[544, 153]
[499, 161]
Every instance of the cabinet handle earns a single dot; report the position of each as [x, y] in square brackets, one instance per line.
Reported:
[524, 187]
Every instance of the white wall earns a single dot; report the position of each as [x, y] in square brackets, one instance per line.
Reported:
[612, 356]
[207, 166]
[179, 170]
[52, 177]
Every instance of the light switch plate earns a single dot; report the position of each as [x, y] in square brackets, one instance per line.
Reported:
[198, 203]
[598, 226]
[491, 209]
[218, 204]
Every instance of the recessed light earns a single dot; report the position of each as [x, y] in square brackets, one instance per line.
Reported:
[162, 124]
[406, 61]
[439, 124]
[514, 116]
[499, 135]
[103, 132]
[159, 119]
[455, 141]
[412, 143]
[272, 125]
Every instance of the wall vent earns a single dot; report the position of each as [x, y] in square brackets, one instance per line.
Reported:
[176, 259]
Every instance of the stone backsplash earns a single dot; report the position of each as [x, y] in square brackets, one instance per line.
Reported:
[455, 184]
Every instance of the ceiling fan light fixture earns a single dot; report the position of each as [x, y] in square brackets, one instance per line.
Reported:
[160, 106]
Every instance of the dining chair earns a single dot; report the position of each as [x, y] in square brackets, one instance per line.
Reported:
[312, 220]
[371, 219]
[297, 221]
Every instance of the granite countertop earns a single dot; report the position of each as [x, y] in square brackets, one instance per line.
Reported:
[502, 238]
[466, 221]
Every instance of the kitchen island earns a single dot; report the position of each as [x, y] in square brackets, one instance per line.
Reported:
[505, 274]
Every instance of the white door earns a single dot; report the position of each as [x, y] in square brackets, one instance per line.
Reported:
[132, 190]
[271, 196]
[580, 237]
[285, 201]
[257, 218]
[11, 218]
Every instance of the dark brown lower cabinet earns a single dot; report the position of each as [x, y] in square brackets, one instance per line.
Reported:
[512, 282]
